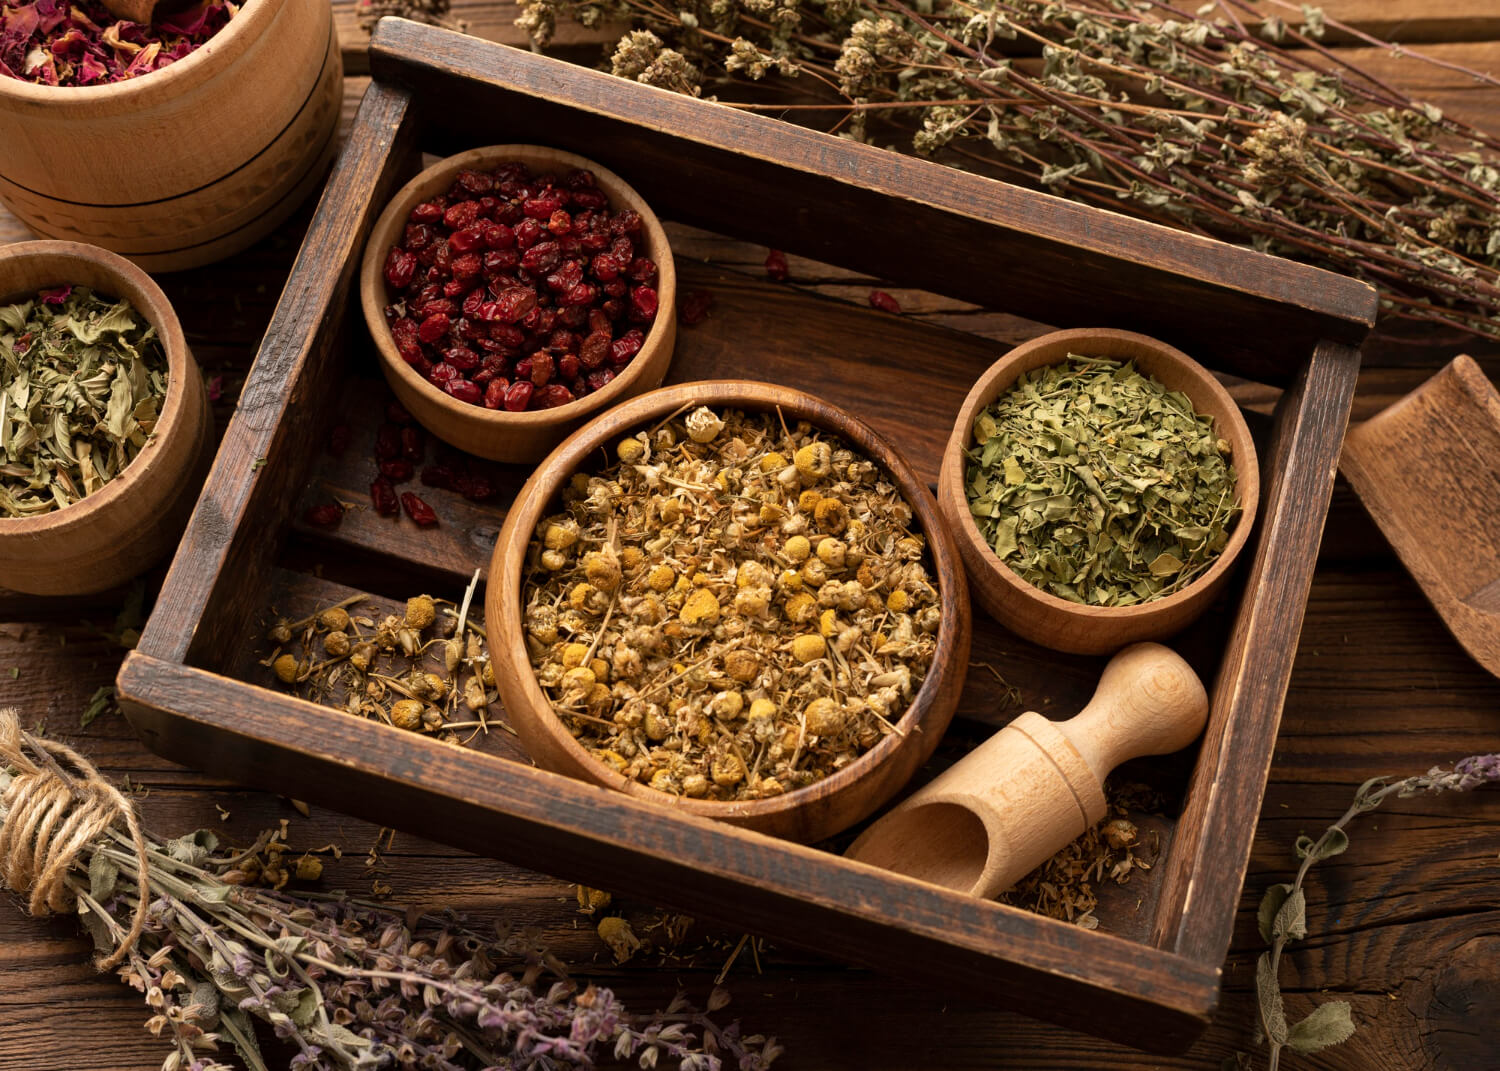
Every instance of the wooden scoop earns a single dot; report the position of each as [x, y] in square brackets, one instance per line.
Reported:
[1036, 784]
[1428, 470]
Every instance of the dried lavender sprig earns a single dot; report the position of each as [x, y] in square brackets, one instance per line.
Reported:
[1283, 910]
[352, 986]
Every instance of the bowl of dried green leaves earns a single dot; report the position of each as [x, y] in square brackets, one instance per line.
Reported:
[735, 600]
[105, 430]
[1100, 485]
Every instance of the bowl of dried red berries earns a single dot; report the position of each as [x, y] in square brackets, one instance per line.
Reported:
[514, 292]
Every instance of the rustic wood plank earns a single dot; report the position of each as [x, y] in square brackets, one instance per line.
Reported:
[266, 416]
[1206, 869]
[1063, 263]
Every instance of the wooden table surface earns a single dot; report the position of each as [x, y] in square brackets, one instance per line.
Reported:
[1405, 926]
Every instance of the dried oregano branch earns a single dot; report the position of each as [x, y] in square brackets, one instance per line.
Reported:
[1223, 120]
[350, 986]
[1283, 909]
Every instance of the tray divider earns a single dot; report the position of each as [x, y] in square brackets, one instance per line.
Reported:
[217, 576]
[1211, 850]
[1046, 968]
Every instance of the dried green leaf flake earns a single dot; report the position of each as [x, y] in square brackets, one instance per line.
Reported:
[82, 382]
[1098, 485]
[1327, 1024]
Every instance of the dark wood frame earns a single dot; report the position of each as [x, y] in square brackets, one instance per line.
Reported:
[1044, 257]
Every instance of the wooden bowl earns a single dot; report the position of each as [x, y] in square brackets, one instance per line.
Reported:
[1041, 616]
[136, 519]
[497, 434]
[805, 814]
[190, 163]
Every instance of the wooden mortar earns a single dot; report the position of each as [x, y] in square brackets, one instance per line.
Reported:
[188, 164]
[1036, 784]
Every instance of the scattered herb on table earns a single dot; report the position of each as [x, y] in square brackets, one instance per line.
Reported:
[520, 291]
[1283, 908]
[1096, 484]
[80, 43]
[733, 610]
[350, 985]
[82, 382]
[1230, 119]
[411, 670]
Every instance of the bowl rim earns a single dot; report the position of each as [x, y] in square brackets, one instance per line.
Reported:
[228, 43]
[134, 285]
[1001, 375]
[374, 293]
[755, 396]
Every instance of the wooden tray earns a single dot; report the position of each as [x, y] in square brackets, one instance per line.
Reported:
[1154, 980]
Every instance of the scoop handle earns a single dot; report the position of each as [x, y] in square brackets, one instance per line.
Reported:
[1149, 702]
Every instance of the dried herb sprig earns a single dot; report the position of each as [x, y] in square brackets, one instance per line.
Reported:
[1283, 908]
[351, 986]
[83, 379]
[1223, 120]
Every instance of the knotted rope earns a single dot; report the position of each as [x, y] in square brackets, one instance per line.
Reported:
[50, 816]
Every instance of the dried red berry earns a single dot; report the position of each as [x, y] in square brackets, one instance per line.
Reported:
[400, 266]
[622, 349]
[396, 413]
[418, 511]
[461, 215]
[387, 442]
[494, 394]
[694, 307]
[413, 444]
[776, 266]
[383, 495]
[643, 304]
[397, 470]
[439, 476]
[518, 396]
[325, 516]
[553, 395]
[464, 391]
[427, 212]
[879, 299]
[433, 327]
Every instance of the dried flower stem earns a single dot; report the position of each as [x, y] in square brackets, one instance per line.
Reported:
[1283, 911]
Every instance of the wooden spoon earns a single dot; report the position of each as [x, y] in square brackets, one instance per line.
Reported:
[1428, 470]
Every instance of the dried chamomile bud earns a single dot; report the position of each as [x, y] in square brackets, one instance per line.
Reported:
[727, 770]
[286, 669]
[703, 425]
[898, 602]
[814, 461]
[621, 939]
[362, 655]
[602, 567]
[573, 654]
[336, 645]
[772, 463]
[700, 608]
[809, 646]
[335, 618]
[630, 450]
[280, 633]
[831, 552]
[796, 549]
[421, 611]
[407, 714]
[823, 717]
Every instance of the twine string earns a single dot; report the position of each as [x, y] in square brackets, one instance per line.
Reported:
[56, 807]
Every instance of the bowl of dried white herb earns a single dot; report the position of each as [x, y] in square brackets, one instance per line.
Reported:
[1100, 485]
[105, 430]
[732, 599]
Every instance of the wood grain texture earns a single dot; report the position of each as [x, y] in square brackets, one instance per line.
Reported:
[175, 170]
[496, 433]
[1039, 615]
[1426, 469]
[193, 611]
[1206, 870]
[807, 814]
[1062, 263]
